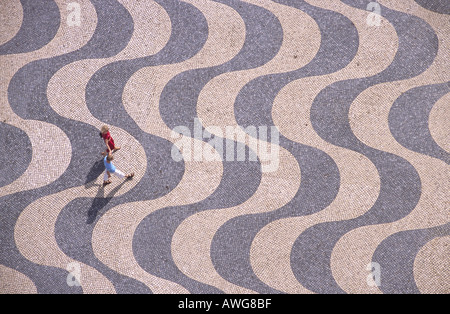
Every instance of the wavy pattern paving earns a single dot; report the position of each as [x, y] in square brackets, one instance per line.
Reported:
[40, 21]
[409, 116]
[400, 183]
[430, 210]
[355, 107]
[354, 189]
[439, 129]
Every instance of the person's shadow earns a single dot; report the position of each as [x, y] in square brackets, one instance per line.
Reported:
[100, 200]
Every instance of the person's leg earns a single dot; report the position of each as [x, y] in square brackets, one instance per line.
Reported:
[122, 175]
[119, 174]
[106, 178]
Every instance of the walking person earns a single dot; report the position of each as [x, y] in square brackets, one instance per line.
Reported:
[110, 169]
[109, 141]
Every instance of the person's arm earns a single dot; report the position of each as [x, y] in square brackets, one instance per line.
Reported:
[107, 145]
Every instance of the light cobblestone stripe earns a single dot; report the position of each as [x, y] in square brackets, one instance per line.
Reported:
[438, 122]
[11, 16]
[432, 267]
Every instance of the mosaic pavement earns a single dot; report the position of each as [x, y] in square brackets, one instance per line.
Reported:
[356, 202]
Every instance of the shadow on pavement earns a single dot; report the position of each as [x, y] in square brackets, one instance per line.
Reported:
[100, 200]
